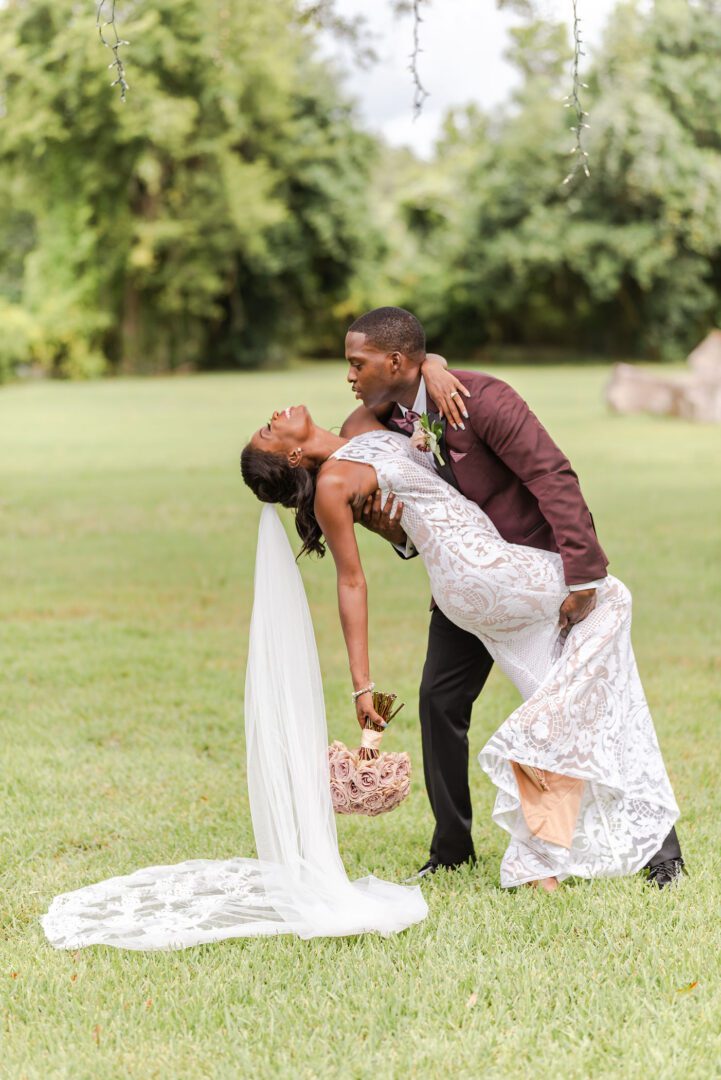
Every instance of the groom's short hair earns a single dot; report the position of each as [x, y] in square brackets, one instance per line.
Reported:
[393, 329]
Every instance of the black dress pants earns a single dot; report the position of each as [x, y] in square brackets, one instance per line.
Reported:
[456, 668]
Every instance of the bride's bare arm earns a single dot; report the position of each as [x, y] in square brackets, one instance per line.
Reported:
[363, 419]
[335, 517]
[445, 389]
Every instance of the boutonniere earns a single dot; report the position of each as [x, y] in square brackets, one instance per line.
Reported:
[427, 435]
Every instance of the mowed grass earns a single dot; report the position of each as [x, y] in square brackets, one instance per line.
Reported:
[126, 559]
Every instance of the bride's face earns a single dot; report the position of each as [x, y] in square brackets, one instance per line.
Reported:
[286, 430]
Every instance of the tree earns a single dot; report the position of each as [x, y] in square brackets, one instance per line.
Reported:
[201, 223]
[627, 261]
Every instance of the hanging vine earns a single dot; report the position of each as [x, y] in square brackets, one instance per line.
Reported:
[573, 102]
[419, 91]
[114, 45]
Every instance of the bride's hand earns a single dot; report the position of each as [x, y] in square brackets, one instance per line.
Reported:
[365, 711]
[445, 389]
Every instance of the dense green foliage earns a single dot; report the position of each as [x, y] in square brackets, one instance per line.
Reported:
[232, 210]
[206, 220]
[121, 744]
[628, 261]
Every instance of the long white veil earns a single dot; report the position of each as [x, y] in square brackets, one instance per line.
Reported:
[298, 883]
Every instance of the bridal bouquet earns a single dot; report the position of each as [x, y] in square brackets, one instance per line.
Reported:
[366, 781]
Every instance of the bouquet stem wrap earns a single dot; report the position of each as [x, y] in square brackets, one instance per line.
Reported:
[371, 739]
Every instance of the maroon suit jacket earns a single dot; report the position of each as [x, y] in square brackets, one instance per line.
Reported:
[507, 463]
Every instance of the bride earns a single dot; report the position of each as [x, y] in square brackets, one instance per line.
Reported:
[581, 785]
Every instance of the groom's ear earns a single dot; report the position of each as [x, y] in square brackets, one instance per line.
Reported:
[396, 361]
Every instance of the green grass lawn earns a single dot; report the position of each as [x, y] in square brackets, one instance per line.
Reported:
[126, 559]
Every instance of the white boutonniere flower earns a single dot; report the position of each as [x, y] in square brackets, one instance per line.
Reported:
[427, 435]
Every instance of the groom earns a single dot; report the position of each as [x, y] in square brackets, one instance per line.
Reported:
[502, 458]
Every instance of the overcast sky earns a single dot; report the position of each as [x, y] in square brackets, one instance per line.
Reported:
[463, 42]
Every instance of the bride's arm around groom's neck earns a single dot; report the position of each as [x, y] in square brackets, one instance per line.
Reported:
[363, 419]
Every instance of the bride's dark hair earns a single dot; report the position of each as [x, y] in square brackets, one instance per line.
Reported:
[273, 480]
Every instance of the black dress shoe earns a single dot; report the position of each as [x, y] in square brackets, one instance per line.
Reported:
[432, 865]
[666, 873]
[429, 867]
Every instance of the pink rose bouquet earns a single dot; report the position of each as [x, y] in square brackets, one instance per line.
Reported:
[366, 780]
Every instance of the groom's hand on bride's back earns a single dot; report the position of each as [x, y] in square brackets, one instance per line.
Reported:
[382, 518]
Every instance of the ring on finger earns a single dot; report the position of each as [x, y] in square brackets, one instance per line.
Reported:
[454, 394]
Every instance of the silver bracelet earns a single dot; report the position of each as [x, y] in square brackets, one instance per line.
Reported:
[366, 690]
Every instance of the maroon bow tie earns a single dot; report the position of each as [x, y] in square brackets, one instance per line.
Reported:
[407, 423]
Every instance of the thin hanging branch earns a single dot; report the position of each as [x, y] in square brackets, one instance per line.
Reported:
[573, 102]
[419, 91]
[114, 45]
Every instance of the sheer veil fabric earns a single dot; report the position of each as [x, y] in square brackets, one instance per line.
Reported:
[298, 883]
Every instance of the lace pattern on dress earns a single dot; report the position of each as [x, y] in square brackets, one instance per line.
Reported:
[584, 712]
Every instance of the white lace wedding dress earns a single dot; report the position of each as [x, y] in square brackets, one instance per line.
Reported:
[584, 713]
[298, 884]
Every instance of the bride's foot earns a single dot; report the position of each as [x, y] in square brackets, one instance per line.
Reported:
[548, 884]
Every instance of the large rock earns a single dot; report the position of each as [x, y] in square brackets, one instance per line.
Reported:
[704, 399]
[632, 390]
[695, 395]
[705, 360]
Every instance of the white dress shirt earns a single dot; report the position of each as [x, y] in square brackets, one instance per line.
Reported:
[420, 405]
